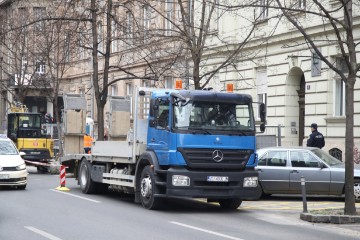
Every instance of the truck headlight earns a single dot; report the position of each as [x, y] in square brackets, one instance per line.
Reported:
[250, 182]
[21, 167]
[180, 180]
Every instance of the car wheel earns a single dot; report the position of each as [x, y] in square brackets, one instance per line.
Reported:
[21, 187]
[263, 194]
[86, 184]
[42, 170]
[148, 190]
[230, 204]
[357, 190]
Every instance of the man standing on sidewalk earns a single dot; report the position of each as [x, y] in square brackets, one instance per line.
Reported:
[316, 139]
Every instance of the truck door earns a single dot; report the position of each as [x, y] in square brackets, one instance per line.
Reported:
[159, 138]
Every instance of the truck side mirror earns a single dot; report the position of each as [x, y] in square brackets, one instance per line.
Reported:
[262, 117]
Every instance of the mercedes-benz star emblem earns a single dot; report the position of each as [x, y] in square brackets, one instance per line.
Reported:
[217, 155]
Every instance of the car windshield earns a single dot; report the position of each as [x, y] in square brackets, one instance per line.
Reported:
[7, 148]
[328, 159]
[214, 116]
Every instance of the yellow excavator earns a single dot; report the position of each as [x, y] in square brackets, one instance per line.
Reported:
[25, 130]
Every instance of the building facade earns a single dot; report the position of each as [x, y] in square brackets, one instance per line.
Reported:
[270, 59]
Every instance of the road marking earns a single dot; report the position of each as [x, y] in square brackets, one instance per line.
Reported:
[73, 195]
[206, 231]
[42, 233]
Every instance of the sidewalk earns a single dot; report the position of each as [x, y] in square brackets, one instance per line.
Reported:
[334, 216]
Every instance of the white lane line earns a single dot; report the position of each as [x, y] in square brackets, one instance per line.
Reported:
[206, 231]
[42, 233]
[73, 195]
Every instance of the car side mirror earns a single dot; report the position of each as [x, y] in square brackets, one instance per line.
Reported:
[322, 165]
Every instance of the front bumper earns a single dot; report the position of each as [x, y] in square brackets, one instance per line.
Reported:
[201, 188]
[36, 155]
[13, 178]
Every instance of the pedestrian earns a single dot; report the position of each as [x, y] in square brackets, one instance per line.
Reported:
[316, 139]
[87, 143]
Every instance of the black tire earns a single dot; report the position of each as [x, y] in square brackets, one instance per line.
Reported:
[42, 170]
[230, 204]
[87, 185]
[21, 187]
[263, 194]
[148, 189]
[357, 190]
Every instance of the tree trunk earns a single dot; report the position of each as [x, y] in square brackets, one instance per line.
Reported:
[350, 208]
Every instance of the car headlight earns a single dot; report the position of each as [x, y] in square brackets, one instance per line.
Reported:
[21, 167]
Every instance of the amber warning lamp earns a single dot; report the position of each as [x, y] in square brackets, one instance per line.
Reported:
[178, 84]
[230, 87]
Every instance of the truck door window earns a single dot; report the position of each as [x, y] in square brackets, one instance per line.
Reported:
[163, 114]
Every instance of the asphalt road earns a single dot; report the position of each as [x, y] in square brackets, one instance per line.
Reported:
[41, 212]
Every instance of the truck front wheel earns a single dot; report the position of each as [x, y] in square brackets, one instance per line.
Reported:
[86, 184]
[230, 204]
[148, 190]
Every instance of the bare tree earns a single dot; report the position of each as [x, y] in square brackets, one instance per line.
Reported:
[194, 26]
[339, 21]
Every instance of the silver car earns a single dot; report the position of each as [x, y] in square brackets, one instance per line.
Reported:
[281, 168]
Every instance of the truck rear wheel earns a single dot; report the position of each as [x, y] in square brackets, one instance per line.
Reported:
[230, 204]
[86, 184]
[148, 189]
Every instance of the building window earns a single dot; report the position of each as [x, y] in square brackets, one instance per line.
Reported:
[147, 21]
[261, 84]
[129, 92]
[67, 47]
[23, 15]
[39, 13]
[169, 17]
[129, 26]
[24, 63]
[339, 90]
[215, 16]
[301, 4]
[81, 45]
[315, 65]
[113, 90]
[100, 38]
[168, 82]
[191, 10]
[339, 97]
[263, 9]
[114, 40]
[40, 67]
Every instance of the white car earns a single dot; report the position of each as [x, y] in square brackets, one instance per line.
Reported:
[12, 167]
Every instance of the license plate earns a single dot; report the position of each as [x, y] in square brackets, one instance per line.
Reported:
[4, 176]
[217, 179]
[34, 152]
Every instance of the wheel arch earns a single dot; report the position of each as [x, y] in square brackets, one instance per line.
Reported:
[145, 159]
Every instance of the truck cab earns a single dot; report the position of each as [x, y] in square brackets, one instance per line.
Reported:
[204, 145]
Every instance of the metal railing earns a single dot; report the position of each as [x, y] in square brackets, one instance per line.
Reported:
[271, 137]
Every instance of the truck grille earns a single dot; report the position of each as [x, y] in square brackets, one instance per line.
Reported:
[202, 158]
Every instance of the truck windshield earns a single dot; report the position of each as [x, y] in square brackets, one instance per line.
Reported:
[214, 116]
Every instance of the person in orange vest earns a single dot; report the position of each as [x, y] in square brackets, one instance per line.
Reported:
[87, 143]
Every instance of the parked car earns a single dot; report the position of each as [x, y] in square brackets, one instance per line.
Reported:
[12, 167]
[281, 168]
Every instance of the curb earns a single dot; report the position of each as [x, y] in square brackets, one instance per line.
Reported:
[334, 219]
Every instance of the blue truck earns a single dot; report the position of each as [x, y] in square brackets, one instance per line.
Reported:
[174, 143]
